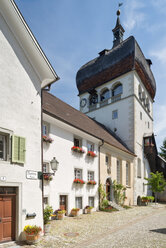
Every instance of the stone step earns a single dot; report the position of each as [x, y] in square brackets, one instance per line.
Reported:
[116, 206]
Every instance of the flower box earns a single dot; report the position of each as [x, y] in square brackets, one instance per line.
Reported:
[47, 139]
[47, 177]
[91, 154]
[77, 149]
[91, 182]
[75, 212]
[61, 214]
[78, 181]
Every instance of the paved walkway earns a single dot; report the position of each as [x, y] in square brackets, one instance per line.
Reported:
[137, 227]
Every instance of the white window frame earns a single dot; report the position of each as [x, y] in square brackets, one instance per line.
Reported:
[91, 203]
[79, 141]
[46, 168]
[46, 127]
[91, 176]
[78, 202]
[115, 114]
[90, 146]
[127, 174]
[138, 168]
[118, 171]
[7, 134]
[78, 173]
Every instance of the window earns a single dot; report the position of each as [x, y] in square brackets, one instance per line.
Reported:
[118, 176]
[3, 147]
[91, 201]
[115, 114]
[45, 167]
[140, 115]
[90, 175]
[78, 202]
[90, 147]
[144, 170]
[140, 92]
[78, 173]
[105, 95]
[127, 174]
[45, 201]
[116, 92]
[18, 149]
[148, 104]
[77, 142]
[106, 160]
[148, 125]
[45, 128]
[139, 168]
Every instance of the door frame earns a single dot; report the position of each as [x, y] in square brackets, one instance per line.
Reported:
[13, 214]
[66, 201]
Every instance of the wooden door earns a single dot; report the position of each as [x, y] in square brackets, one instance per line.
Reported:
[63, 204]
[7, 218]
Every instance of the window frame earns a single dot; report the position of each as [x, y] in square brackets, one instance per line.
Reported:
[91, 175]
[77, 139]
[118, 171]
[8, 134]
[103, 98]
[77, 204]
[113, 116]
[92, 146]
[76, 175]
[89, 201]
[46, 164]
[47, 128]
[139, 174]
[128, 174]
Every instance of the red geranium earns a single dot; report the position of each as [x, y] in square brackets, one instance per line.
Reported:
[92, 182]
[79, 181]
[77, 149]
[91, 154]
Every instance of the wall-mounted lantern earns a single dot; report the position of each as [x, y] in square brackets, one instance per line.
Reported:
[54, 165]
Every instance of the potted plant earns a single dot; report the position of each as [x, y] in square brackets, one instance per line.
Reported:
[91, 154]
[75, 212]
[47, 139]
[61, 214]
[89, 210]
[47, 177]
[91, 182]
[32, 234]
[79, 181]
[77, 149]
[47, 214]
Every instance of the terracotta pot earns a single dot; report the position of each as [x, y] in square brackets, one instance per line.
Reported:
[89, 211]
[47, 228]
[74, 213]
[32, 238]
[60, 216]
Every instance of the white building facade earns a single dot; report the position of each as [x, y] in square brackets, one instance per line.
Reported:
[22, 79]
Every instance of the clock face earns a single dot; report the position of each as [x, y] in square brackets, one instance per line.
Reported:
[83, 102]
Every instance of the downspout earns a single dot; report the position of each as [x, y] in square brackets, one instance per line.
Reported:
[99, 166]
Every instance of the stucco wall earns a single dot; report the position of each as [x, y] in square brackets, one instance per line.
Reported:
[62, 183]
[124, 158]
[20, 114]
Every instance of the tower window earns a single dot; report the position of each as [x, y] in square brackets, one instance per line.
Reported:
[93, 99]
[116, 92]
[105, 95]
[115, 114]
[140, 115]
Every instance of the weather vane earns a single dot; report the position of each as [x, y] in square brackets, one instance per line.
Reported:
[120, 4]
[118, 11]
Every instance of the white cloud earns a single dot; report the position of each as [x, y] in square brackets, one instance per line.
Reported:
[134, 15]
[159, 54]
[160, 5]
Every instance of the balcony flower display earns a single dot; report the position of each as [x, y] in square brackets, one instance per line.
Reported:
[47, 139]
[91, 154]
[47, 177]
[91, 182]
[79, 181]
[77, 149]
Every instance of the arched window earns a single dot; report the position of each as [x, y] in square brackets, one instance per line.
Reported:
[116, 92]
[140, 92]
[105, 95]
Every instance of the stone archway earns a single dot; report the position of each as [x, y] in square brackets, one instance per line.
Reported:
[109, 189]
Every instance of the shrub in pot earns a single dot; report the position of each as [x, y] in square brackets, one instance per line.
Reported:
[32, 234]
[75, 211]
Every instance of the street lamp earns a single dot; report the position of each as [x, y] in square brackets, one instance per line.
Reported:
[54, 164]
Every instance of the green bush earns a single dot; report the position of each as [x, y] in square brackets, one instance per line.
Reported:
[105, 203]
[47, 213]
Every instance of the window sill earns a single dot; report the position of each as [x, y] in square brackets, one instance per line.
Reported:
[5, 162]
[139, 177]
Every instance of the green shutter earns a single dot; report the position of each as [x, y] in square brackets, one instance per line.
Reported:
[22, 150]
[18, 149]
[15, 148]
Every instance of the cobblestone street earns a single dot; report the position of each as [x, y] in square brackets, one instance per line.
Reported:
[136, 227]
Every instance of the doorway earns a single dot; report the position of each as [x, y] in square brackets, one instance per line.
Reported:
[108, 189]
[7, 213]
[63, 202]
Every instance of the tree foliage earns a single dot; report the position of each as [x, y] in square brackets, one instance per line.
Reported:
[163, 150]
[119, 193]
[156, 182]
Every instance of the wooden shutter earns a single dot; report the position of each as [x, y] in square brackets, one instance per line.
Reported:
[22, 150]
[18, 149]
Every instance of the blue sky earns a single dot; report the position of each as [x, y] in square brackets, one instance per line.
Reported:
[72, 32]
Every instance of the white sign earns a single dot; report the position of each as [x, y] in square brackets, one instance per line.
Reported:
[3, 178]
[31, 174]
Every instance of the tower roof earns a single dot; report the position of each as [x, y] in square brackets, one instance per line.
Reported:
[124, 57]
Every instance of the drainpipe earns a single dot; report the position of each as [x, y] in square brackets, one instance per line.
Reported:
[99, 165]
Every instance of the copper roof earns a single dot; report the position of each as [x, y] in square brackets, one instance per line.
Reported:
[58, 109]
[125, 57]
